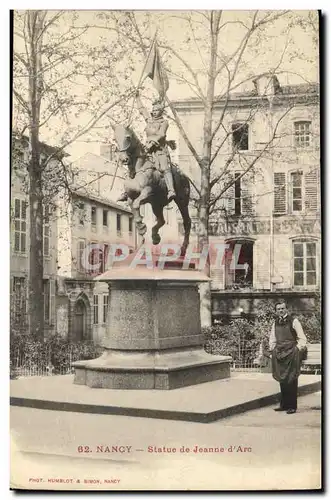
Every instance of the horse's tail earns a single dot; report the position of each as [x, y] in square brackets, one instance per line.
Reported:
[187, 186]
[181, 182]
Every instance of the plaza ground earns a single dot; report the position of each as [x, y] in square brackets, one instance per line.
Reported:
[270, 450]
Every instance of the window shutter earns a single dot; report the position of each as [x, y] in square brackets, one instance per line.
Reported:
[311, 191]
[247, 183]
[230, 196]
[279, 192]
[229, 272]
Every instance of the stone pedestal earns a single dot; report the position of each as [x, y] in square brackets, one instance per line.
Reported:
[154, 338]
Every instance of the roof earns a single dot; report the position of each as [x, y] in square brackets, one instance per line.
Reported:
[302, 88]
[89, 154]
[88, 195]
[93, 159]
[299, 90]
[49, 149]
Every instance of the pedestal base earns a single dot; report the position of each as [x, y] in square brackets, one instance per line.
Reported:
[162, 370]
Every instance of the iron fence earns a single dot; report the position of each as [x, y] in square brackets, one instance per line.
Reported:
[33, 370]
[250, 360]
[247, 356]
[46, 360]
[22, 365]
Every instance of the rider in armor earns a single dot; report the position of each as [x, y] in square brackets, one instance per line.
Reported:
[156, 144]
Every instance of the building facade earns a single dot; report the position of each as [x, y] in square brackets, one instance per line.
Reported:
[86, 229]
[20, 244]
[75, 306]
[269, 217]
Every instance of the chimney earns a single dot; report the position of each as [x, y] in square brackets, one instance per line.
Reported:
[267, 85]
[107, 151]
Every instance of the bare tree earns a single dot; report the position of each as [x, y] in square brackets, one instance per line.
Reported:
[63, 85]
[217, 57]
[212, 66]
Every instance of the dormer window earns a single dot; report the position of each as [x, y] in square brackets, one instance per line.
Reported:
[240, 136]
[302, 134]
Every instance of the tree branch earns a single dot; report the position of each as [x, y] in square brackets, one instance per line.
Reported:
[255, 159]
[51, 21]
[187, 66]
[88, 126]
[22, 101]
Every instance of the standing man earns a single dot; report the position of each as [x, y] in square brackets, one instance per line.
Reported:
[286, 344]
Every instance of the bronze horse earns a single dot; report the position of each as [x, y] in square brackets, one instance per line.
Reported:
[146, 185]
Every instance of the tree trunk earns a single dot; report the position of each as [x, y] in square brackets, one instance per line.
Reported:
[36, 268]
[36, 261]
[205, 292]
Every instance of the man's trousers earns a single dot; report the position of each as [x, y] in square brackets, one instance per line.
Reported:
[289, 394]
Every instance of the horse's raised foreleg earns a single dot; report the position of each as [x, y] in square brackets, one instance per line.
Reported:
[142, 198]
[183, 208]
[158, 212]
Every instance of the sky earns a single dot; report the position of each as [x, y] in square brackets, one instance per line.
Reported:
[189, 40]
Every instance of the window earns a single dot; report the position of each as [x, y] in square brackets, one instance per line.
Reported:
[130, 224]
[302, 134]
[47, 301]
[237, 194]
[302, 192]
[105, 218]
[296, 191]
[239, 276]
[94, 216]
[104, 258]
[19, 300]
[113, 150]
[108, 151]
[94, 255]
[119, 223]
[80, 254]
[46, 232]
[240, 136]
[81, 213]
[20, 226]
[304, 263]
[95, 309]
[105, 308]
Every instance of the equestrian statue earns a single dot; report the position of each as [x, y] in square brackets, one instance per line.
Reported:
[153, 178]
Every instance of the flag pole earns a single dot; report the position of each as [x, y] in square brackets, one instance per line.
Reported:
[142, 74]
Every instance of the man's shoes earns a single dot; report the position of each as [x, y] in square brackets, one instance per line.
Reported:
[290, 411]
[280, 409]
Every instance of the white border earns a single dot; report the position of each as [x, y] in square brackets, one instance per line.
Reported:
[4, 184]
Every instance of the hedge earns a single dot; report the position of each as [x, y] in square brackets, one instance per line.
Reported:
[243, 335]
[55, 350]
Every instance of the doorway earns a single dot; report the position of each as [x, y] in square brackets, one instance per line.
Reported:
[79, 321]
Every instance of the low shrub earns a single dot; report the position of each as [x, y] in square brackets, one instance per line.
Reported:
[242, 337]
[55, 351]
